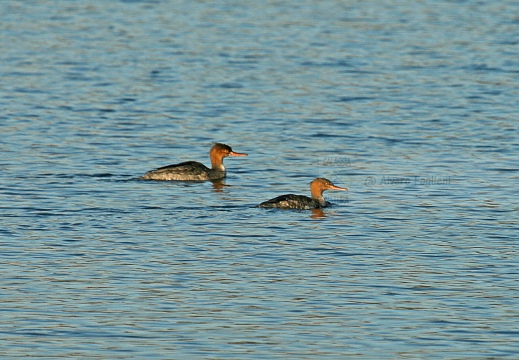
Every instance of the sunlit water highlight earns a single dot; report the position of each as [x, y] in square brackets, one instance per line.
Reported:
[411, 105]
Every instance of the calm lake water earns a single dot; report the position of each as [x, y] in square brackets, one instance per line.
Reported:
[411, 105]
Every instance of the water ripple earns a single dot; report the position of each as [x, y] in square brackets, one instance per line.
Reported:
[407, 106]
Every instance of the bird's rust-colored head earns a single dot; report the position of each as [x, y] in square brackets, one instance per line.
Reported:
[321, 184]
[220, 151]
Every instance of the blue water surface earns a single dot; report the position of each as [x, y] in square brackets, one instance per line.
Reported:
[411, 105]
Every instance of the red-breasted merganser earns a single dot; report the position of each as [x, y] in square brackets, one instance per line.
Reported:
[193, 170]
[301, 202]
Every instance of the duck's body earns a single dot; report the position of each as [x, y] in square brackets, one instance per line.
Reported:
[301, 202]
[292, 201]
[186, 171]
[193, 170]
